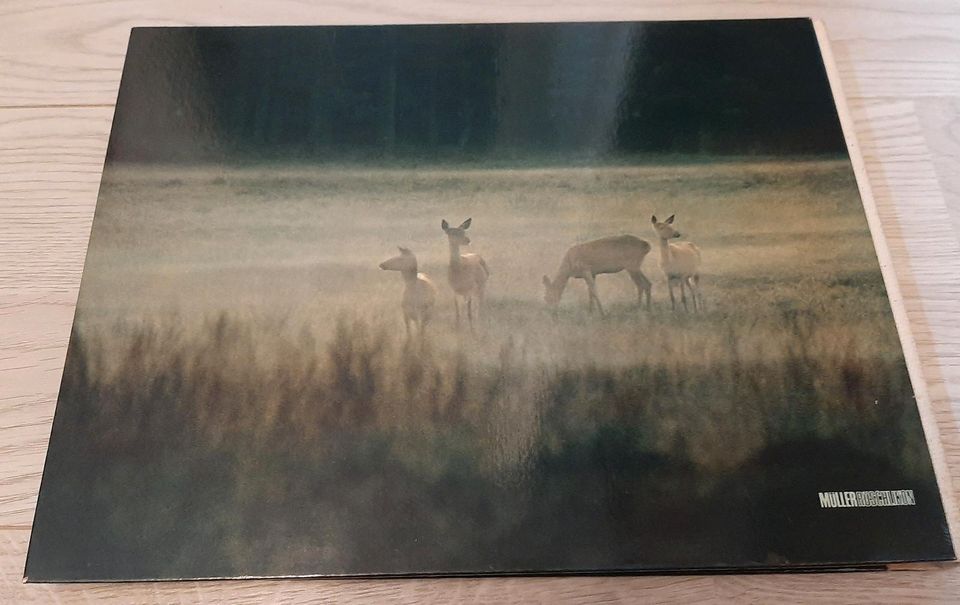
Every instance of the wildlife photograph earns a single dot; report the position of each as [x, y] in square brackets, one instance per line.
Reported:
[481, 299]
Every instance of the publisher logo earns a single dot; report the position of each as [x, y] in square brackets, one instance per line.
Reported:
[896, 497]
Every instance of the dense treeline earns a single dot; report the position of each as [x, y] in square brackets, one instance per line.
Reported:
[474, 91]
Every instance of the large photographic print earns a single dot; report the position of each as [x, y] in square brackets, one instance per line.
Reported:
[481, 299]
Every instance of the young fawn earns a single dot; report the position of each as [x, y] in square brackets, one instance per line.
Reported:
[605, 255]
[467, 273]
[419, 293]
[680, 263]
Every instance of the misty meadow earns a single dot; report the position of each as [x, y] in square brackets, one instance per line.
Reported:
[270, 374]
[242, 397]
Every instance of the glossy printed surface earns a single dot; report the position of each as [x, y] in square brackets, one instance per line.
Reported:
[241, 397]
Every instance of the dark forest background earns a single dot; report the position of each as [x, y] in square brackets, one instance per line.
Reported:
[474, 92]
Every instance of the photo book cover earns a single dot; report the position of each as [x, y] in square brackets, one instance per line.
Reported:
[481, 299]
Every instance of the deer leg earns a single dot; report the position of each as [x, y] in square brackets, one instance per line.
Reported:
[695, 288]
[683, 293]
[648, 287]
[590, 297]
[424, 320]
[643, 287]
[406, 324]
[592, 288]
[470, 311]
[600, 307]
[693, 294]
[673, 301]
[481, 302]
[456, 306]
[635, 276]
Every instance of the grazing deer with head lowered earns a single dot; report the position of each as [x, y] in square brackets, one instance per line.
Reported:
[419, 293]
[467, 273]
[605, 255]
[680, 263]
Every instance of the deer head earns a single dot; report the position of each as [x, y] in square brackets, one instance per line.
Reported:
[665, 229]
[551, 292]
[457, 235]
[405, 262]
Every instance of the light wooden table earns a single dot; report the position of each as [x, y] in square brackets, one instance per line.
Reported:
[60, 62]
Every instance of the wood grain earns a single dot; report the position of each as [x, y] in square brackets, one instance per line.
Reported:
[940, 119]
[59, 69]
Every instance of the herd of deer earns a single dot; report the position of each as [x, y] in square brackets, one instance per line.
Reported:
[468, 272]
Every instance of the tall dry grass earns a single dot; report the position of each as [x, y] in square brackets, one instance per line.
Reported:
[239, 448]
[708, 396]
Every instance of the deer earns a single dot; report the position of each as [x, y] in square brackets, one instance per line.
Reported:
[419, 292]
[680, 263]
[467, 273]
[605, 255]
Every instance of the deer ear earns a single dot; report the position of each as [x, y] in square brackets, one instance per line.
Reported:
[669, 220]
[653, 219]
[444, 224]
[466, 224]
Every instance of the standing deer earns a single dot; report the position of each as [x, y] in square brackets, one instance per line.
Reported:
[419, 293]
[605, 255]
[467, 273]
[680, 263]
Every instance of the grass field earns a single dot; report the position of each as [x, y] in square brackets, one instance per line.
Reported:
[240, 396]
